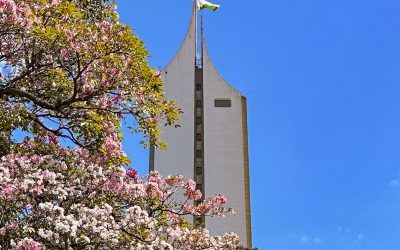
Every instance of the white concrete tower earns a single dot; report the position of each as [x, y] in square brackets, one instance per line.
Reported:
[211, 145]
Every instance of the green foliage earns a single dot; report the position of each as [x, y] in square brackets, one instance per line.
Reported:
[75, 71]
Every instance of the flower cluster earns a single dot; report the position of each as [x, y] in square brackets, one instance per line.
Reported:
[66, 199]
[74, 70]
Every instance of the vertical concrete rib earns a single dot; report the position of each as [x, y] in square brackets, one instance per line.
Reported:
[246, 172]
[198, 166]
[151, 158]
[199, 136]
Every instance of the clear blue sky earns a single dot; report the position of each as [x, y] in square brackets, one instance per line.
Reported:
[323, 85]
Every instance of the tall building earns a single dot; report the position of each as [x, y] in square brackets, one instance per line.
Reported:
[211, 145]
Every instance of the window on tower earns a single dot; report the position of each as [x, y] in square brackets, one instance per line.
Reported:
[199, 220]
[222, 103]
[199, 153]
[198, 120]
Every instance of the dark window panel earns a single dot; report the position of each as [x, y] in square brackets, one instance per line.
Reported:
[222, 103]
[199, 220]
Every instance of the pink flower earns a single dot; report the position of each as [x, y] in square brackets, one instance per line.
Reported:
[104, 102]
[174, 180]
[105, 82]
[64, 52]
[35, 159]
[111, 145]
[8, 5]
[156, 73]
[7, 191]
[189, 209]
[153, 120]
[113, 71]
[49, 176]
[189, 185]
[174, 218]
[220, 199]
[154, 177]
[105, 26]
[65, 19]
[37, 190]
[69, 34]
[28, 244]
[196, 195]
[132, 173]
[53, 139]
[202, 209]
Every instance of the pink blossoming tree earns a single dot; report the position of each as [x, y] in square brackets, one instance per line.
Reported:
[70, 73]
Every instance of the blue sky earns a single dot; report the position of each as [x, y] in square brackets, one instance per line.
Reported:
[322, 80]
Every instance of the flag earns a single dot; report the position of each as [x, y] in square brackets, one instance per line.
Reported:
[203, 4]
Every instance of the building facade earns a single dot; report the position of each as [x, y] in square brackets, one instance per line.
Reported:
[211, 145]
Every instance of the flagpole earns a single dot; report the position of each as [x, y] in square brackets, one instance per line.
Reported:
[196, 38]
[202, 40]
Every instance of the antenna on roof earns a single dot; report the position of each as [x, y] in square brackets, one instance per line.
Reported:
[199, 40]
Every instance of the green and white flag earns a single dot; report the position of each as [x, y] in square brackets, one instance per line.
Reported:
[203, 4]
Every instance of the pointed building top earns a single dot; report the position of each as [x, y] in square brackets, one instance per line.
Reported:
[193, 50]
[188, 47]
